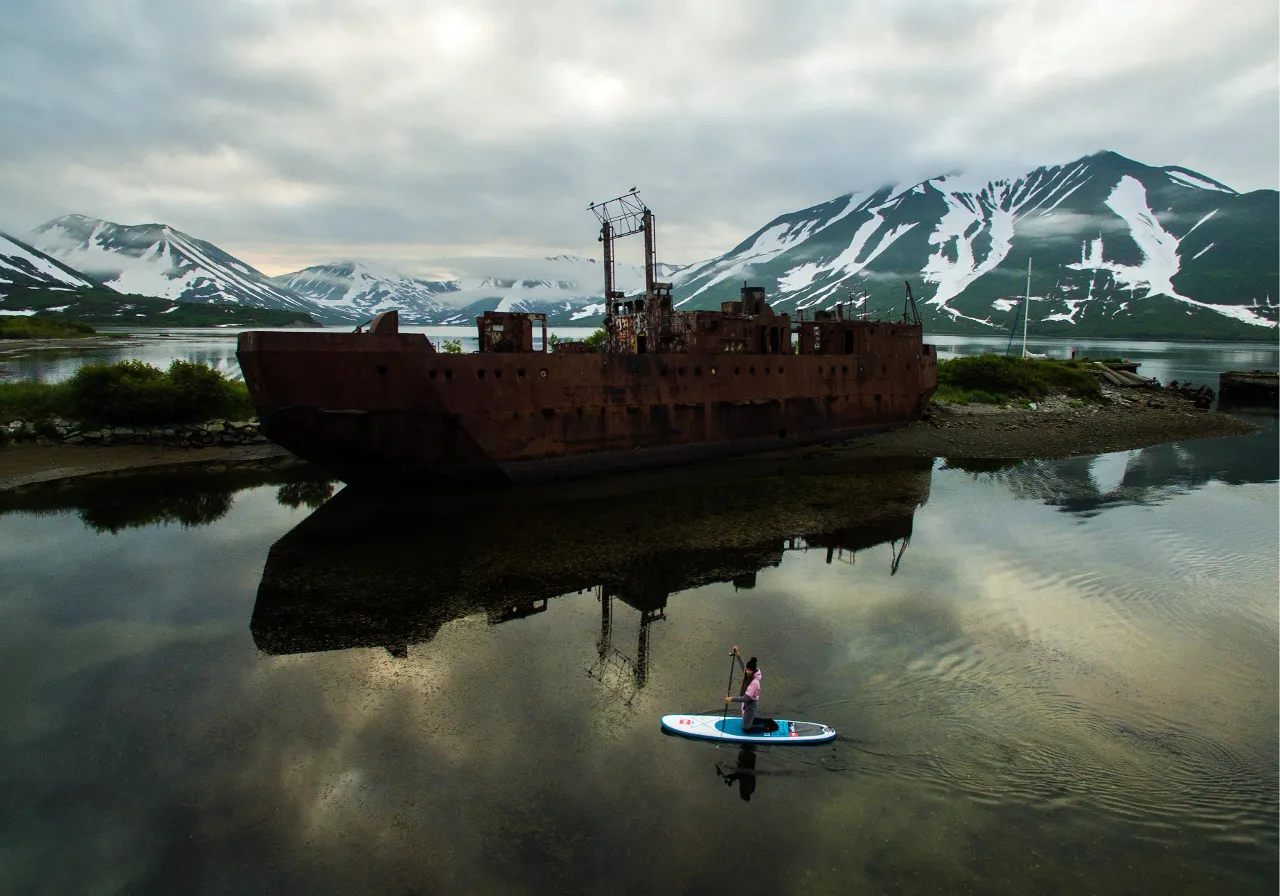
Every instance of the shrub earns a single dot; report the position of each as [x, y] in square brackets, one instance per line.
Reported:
[34, 401]
[999, 378]
[134, 393]
[452, 346]
[597, 340]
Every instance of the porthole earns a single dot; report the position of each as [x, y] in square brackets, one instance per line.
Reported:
[680, 371]
[480, 374]
[844, 368]
[697, 371]
[737, 370]
[520, 373]
[713, 371]
[448, 374]
[819, 370]
[431, 375]
[543, 373]
[752, 370]
[497, 374]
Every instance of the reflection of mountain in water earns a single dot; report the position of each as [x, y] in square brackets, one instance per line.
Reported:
[370, 569]
[111, 502]
[1088, 485]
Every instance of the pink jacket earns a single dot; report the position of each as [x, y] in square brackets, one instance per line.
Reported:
[753, 689]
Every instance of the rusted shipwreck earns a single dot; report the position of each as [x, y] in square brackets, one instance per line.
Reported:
[670, 386]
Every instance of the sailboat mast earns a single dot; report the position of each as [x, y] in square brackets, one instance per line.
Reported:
[1026, 307]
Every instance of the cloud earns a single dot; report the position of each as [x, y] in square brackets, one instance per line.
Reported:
[282, 131]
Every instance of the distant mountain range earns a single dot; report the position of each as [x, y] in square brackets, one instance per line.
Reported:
[1117, 248]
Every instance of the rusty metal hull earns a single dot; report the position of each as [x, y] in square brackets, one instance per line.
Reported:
[387, 407]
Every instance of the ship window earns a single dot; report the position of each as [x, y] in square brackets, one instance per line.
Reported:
[520, 373]
[432, 375]
[819, 368]
[497, 374]
[480, 374]
[680, 371]
[878, 398]
[766, 370]
[697, 371]
[713, 371]
[752, 370]
[448, 374]
[884, 368]
[543, 373]
[928, 349]
[844, 368]
[737, 370]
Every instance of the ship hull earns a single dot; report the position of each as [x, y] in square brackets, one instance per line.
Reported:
[377, 408]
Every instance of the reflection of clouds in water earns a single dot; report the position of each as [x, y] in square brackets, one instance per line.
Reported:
[1108, 470]
[997, 663]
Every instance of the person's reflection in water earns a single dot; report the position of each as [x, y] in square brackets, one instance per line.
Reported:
[744, 774]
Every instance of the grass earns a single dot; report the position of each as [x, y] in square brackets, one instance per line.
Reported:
[130, 393]
[1000, 379]
[30, 327]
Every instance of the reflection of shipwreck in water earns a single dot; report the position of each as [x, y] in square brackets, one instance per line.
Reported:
[371, 569]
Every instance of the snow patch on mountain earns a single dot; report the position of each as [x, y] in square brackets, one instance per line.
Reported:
[18, 260]
[1189, 180]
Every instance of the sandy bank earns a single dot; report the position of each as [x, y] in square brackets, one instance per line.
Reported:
[26, 463]
[1131, 419]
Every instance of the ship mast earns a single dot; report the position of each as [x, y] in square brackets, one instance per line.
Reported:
[624, 216]
[1026, 307]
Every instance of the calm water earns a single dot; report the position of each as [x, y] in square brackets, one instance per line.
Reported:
[1198, 363]
[1055, 677]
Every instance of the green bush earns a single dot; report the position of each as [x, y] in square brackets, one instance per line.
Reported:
[34, 401]
[31, 327]
[134, 393]
[999, 378]
[597, 340]
[452, 346]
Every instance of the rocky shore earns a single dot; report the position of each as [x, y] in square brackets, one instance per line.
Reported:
[1127, 419]
[1056, 427]
[194, 435]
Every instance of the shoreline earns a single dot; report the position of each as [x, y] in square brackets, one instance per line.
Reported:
[1054, 429]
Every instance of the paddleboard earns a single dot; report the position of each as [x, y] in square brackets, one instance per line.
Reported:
[729, 730]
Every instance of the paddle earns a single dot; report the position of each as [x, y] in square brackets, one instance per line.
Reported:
[728, 691]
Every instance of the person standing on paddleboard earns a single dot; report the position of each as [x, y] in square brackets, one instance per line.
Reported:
[750, 693]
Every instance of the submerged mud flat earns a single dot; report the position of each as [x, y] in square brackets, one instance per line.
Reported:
[1056, 676]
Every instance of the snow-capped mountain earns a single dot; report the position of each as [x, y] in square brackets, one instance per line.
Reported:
[158, 260]
[1117, 249]
[24, 266]
[569, 289]
[350, 290]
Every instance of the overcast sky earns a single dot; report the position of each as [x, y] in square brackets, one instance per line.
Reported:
[418, 133]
